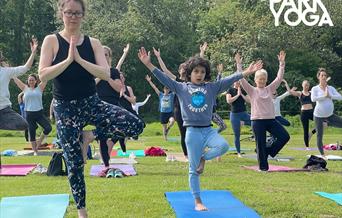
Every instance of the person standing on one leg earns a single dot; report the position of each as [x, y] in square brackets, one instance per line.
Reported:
[263, 114]
[166, 100]
[9, 119]
[33, 100]
[323, 95]
[196, 99]
[237, 98]
[306, 111]
[69, 57]
[176, 106]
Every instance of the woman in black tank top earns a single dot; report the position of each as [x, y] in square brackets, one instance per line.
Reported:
[73, 60]
[306, 108]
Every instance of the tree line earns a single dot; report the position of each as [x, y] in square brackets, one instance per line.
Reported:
[177, 28]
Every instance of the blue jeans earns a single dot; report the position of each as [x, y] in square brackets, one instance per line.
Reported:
[235, 119]
[196, 140]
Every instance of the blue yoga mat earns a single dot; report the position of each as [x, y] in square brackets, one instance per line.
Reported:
[219, 203]
[36, 206]
[138, 153]
[335, 197]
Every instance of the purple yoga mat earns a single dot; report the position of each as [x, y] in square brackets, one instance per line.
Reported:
[16, 169]
[304, 149]
[274, 168]
[127, 169]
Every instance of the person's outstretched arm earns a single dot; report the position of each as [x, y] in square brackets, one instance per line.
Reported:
[292, 90]
[226, 82]
[162, 64]
[19, 83]
[123, 57]
[20, 70]
[145, 58]
[51, 110]
[276, 82]
[154, 87]
[131, 98]
[34, 46]
[203, 48]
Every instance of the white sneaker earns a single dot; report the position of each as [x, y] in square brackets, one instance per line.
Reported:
[132, 155]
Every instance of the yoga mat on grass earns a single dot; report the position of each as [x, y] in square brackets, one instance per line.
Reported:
[337, 197]
[219, 203]
[16, 169]
[138, 153]
[122, 161]
[276, 158]
[233, 149]
[330, 157]
[273, 168]
[305, 149]
[114, 153]
[127, 169]
[36, 206]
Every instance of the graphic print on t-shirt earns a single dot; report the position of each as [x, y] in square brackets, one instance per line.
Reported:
[198, 101]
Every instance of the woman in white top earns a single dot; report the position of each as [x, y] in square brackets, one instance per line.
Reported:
[324, 95]
[33, 93]
[140, 104]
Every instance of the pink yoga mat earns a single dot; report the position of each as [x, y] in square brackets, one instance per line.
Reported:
[16, 169]
[274, 168]
[127, 169]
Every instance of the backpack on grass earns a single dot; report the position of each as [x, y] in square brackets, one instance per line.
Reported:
[56, 165]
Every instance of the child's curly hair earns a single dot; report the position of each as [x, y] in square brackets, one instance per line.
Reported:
[195, 62]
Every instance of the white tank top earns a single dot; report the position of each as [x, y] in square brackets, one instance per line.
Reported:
[33, 99]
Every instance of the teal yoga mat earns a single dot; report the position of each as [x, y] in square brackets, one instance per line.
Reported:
[337, 197]
[219, 203]
[36, 206]
[138, 153]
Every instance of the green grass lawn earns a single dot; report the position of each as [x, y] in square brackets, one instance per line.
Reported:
[271, 194]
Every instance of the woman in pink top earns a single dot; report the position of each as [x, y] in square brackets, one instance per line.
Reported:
[263, 113]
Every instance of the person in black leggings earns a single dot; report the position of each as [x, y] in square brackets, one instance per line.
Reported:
[307, 107]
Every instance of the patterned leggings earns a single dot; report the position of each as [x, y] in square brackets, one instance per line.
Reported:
[109, 120]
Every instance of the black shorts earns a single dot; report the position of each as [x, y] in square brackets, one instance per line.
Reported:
[164, 117]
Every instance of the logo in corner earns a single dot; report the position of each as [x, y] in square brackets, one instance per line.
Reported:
[306, 11]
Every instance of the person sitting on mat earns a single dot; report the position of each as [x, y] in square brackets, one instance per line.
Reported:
[197, 98]
[263, 113]
[9, 119]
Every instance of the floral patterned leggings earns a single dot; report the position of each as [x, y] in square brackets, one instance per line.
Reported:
[109, 120]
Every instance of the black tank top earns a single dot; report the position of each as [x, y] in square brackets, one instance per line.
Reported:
[305, 99]
[106, 92]
[239, 104]
[74, 82]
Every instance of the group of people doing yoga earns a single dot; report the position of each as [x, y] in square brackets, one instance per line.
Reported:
[102, 99]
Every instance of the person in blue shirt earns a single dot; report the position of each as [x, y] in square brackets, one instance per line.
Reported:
[196, 98]
[166, 100]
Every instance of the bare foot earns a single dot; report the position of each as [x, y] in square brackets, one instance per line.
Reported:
[200, 168]
[41, 140]
[82, 213]
[87, 137]
[199, 206]
[219, 159]
[239, 155]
